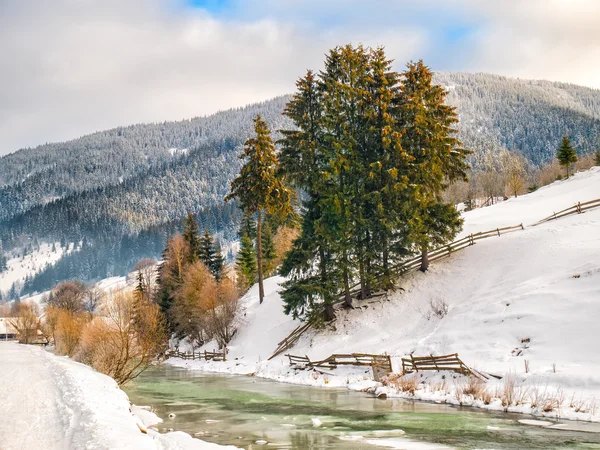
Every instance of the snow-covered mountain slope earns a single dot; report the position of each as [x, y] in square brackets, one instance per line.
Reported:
[52, 402]
[529, 295]
[19, 266]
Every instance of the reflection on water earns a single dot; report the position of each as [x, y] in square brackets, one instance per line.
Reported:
[243, 410]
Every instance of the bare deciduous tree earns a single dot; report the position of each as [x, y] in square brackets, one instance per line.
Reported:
[192, 300]
[68, 295]
[221, 313]
[26, 321]
[123, 341]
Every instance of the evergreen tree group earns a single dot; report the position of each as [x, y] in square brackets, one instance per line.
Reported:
[371, 153]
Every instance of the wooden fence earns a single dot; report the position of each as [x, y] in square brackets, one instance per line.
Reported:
[381, 364]
[575, 209]
[443, 362]
[291, 339]
[207, 356]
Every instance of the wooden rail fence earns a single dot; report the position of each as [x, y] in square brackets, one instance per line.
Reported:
[289, 341]
[207, 356]
[578, 208]
[442, 362]
[381, 364]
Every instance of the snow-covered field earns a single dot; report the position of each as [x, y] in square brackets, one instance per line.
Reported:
[531, 295]
[49, 402]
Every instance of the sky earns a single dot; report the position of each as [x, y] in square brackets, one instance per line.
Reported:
[73, 67]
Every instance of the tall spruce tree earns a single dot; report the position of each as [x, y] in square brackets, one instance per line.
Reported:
[566, 154]
[210, 255]
[191, 234]
[429, 136]
[260, 188]
[312, 277]
[217, 266]
[246, 262]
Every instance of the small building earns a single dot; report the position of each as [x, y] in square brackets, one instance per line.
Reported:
[7, 331]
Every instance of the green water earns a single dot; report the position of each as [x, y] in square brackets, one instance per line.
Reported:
[242, 410]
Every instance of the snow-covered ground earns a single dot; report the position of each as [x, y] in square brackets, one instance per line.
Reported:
[50, 402]
[531, 295]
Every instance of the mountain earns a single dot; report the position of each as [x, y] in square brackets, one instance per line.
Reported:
[118, 194]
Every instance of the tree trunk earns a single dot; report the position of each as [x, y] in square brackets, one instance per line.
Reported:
[363, 285]
[347, 296]
[424, 260]
[261, 289]
[386, 268]
[329, 312]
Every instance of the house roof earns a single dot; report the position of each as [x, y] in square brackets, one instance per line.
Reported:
[6, 327]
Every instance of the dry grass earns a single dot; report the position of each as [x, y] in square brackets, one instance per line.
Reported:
[403, 383]
[471, 387]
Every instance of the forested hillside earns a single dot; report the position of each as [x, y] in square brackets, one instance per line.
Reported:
[124, 190]
[522, 115]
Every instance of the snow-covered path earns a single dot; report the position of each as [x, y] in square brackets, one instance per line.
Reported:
[33, 414]
[49, 402]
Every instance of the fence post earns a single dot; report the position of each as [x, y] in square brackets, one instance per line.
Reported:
[522, 227]
[471, 239]
[498, 230]
[579, 207]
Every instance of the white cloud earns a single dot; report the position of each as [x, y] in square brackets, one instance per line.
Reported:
[71, 67]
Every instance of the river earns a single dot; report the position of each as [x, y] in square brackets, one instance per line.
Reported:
[243, 410]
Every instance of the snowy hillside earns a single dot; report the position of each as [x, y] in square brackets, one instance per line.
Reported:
[18, 267]
[531, 295]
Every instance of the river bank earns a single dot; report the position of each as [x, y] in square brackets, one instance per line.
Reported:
[52, 402]
[245, 410]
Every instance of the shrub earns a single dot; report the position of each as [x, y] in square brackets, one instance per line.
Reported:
[124, 341]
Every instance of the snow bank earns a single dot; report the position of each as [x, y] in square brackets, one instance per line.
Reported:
[53, 402]
[531, 295]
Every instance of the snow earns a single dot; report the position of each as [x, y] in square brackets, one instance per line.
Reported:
[18, 268]
[53, 402]
[530, 295]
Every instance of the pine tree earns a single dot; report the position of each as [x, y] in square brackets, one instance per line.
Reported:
[248, 227]
[268, 246]
[191, 235]
[140, 288]
[246, 262]
[597, 158]
[210, 255]
[566, 154]
[206, 251]
[311, 273]
[217, 266]
[429, 136]
[259, 187]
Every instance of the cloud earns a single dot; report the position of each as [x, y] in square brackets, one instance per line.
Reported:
[71, 67]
